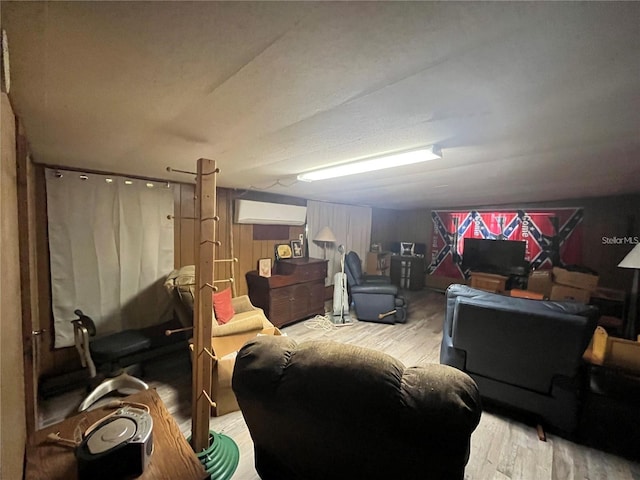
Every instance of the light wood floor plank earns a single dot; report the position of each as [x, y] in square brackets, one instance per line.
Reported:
[501, 448]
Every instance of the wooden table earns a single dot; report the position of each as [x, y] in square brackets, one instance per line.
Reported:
[610, 415]
[612, 306]
[489, 282]
[172, 455]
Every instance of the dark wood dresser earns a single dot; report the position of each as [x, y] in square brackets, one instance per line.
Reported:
[294, 291]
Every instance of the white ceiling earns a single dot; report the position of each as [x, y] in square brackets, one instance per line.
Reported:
[528, 101]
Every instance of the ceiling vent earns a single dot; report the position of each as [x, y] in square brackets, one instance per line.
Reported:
[263, 213]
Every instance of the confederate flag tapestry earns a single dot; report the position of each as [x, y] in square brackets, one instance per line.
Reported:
[553, 236]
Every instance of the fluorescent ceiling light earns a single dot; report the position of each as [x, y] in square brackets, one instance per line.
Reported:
[371, 164]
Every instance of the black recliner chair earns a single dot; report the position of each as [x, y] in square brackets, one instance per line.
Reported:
[524, 354]
[373, 296]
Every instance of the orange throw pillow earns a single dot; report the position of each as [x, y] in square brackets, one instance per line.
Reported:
[222, 306]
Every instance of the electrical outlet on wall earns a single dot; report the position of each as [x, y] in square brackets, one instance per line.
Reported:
[301, 237]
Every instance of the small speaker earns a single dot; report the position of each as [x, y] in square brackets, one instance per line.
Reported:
[420, 248]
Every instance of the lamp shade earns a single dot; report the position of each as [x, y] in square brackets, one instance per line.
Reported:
[325, 235]
[632, 260]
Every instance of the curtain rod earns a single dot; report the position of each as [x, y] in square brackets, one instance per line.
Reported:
[99, 172]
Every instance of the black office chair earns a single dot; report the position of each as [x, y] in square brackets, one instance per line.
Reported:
[107, 351]
[374, 298]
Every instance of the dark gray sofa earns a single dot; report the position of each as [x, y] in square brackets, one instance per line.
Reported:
[526, 354]
[325, 410]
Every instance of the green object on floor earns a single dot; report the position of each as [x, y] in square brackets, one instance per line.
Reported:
[221, 459]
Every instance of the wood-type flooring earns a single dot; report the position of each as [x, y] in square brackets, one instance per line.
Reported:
[501, 448]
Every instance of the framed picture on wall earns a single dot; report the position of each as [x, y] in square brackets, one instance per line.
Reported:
[283, 250]
[296, 248]
[264, 267]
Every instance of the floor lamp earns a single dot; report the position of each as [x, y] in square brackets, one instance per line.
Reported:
[325, 236]
[632, 260]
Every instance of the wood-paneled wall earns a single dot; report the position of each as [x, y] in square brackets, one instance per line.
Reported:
[399, 226]
[237, 241]
[13, 429]
[27, 234]
[617, 216]
[611, 216]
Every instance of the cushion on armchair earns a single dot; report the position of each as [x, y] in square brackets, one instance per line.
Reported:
[222, 306]
[182, 282]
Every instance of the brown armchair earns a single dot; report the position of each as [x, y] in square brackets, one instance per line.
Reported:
[247, 322]
[326, 410]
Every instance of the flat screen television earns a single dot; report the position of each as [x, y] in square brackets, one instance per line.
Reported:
[503, 257]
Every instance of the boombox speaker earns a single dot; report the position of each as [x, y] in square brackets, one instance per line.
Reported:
[118, 447]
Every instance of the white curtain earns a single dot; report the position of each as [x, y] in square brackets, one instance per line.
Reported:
[111, 246]
[350, 224]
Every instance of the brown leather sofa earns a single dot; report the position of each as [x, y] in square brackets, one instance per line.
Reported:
[325, 410]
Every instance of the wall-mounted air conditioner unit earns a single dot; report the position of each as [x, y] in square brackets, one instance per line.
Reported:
[263, 213]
